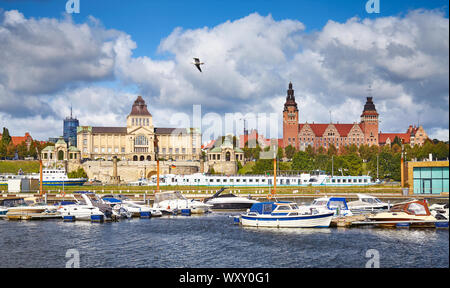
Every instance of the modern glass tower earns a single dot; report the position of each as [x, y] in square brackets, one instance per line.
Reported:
[70, 129]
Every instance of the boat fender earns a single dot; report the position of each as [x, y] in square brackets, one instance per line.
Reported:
[269, 196]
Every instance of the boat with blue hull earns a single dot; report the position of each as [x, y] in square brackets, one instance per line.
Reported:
[283, 214]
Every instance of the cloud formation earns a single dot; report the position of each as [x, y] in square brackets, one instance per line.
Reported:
[248, 63]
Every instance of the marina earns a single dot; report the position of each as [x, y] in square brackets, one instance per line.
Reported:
[210, 240]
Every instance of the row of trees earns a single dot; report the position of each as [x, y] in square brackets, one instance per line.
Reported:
[350, 160]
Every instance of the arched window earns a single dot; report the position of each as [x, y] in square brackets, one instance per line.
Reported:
[142, 158]
[141, 140]
[149, 158]
[228, 156]
[135, 158]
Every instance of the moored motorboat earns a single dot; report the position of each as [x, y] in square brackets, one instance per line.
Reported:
[411, 212]
[367, 203]
[174, 201]
[32, 208]
[337, 205]
[229, 201]
[136, 209]
[283, 214]
[81, 211]
[439, 211]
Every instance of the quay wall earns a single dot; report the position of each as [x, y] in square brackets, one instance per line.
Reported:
[129, 171]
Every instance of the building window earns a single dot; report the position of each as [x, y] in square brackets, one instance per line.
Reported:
[183, 150]
[123, 149]
[116, 150]
[103, 150]
[109, 150]
[141, 140]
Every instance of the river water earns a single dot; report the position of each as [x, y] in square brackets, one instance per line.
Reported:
[213, 240]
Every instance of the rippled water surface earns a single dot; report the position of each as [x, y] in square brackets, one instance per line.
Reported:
[214, 241]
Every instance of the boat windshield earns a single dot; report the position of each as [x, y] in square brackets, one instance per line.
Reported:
[176, 195]
[337, 204]
[294, 206]
[319, 202]
[417, 209]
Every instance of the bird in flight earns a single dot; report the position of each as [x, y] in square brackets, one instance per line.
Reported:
[197, 63]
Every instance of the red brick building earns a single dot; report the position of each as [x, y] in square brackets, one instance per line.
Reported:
[366, 132]
[16, 140]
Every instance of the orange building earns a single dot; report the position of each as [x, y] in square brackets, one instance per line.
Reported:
[16, 140]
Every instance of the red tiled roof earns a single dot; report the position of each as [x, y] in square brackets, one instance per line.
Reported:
[382, 137]
[318, 129]
[344, 129]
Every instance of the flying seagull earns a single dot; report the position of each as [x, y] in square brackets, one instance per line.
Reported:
[198, 63]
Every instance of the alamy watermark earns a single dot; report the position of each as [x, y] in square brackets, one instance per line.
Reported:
[373, 6]
[374, 258]
[74, 258]
[73, 6]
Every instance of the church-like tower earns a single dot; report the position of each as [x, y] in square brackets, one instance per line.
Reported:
[369, 123]
[290, 120]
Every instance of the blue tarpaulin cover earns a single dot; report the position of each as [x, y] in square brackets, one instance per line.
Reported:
[112, 200]
[263, 207]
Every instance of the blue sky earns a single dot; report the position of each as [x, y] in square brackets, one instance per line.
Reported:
[252, 50]
[149, 21]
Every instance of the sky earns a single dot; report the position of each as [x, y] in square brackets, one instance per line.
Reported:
[100, 59]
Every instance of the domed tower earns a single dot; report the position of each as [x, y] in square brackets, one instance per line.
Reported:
[369, 123]
[290, 120]
[139, 115]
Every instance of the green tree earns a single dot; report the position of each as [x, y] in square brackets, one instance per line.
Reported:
[262, 166]
[280, 153]
[332, 150]
[397, 141]
[289, 151]
[301, 161]
[6, 138]
[79, 173]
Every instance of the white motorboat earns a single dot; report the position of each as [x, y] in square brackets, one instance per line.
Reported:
[367, 203]
[284, 214]
[172, 201]
[229, 201]
[32, 208]
[134, 208]
[439, 211]
[413, 210]
[336, 204]
[82, 211]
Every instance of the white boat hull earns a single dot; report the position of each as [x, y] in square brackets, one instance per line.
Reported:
[299, 221]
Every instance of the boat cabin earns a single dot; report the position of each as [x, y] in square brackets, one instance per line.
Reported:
[274, 208]
[416, 207]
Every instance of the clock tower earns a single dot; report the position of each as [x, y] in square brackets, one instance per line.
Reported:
[290, 120]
